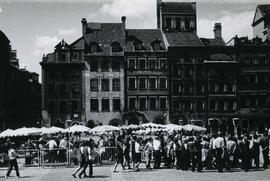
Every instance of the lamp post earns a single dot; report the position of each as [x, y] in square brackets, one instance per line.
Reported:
[68, 123]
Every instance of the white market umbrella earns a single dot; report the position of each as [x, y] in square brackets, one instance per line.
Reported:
[151, 125]
[131, 126]
[52, 130]
[25, 131]
[173, 127]
[6, 133]
[104, 128]
[190, 127]
[78, 129]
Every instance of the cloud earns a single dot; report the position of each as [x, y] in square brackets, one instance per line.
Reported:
[1, 9]
[232, 24]
[66, 32]
[44, 45]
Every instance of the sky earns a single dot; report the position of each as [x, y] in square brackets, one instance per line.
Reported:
[34, 27]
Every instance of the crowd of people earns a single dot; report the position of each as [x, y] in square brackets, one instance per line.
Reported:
[168, 150]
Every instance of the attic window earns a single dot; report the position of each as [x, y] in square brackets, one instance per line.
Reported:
[156, 45]
[93, 47]
[115, 47]
[138, 45]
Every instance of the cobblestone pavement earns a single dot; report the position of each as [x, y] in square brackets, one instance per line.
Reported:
[105, 173]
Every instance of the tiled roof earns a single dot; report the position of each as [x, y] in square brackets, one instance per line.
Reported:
[146, 36]
[213, 41]
[62, 45]
[265, 10]
[183, 39]
[178, 7]
[105, 35]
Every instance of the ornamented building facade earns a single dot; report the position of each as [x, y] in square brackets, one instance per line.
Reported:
[161, 75]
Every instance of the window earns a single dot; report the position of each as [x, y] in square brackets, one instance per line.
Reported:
[216, 106]
[93, 47]
[104, 66]
[75, 106]
[176, 105]
[192, 24]
[142, 103]
[163, 103]
[51, 106]
[132, 83]
[116, 85]
[116, 47]
[168, 22]
[163, 83]
[178, 23]
[152, 83]
[62, 57]
[132, 63]
[234, 106]
[225, 106]
[152, 64]
[142, 63]
[153, 103]
[142, 83]
[75, 90]
[156, 46]
[94, 105]
[225, 88]
[216, 88]
[51, 74]
[163, 64]
[132, 103]
[51, 89]
[116, 104]
[234, 88]
[187, 23]
[75, 56]
[182, 26]
[94, 84]
[62, 89]
[105, 85]
[173, 23]
[94, 66]
[116, 66]
[105, 105]
[63, 106]
[138, 45]
[202, 89]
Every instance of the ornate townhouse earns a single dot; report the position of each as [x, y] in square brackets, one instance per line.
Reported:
[114, 75]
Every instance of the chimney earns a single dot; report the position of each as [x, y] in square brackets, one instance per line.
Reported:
[159, 18]
[217, 30]
[123, 19]
[84, 26]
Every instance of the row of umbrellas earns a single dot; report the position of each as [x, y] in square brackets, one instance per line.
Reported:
[138, 129]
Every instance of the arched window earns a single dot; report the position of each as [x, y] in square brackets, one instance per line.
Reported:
[138, 45]
[116, 47]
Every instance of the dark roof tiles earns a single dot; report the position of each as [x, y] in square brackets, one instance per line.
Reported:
[183, 39]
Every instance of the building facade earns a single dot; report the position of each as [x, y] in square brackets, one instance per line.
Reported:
[261, 22]
[20, 91]
[168, 74]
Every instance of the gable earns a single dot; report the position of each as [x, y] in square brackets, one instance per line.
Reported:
[257, 16]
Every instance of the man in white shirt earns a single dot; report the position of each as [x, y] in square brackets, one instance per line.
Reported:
[137, 153]
[218, 146]
[63, 147]
[52, 153]
[12, 156]
[157, 152]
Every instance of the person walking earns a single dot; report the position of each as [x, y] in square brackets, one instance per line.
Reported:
[148, 152]
[245, 153]
[120, 155]
[218, 145]
[231, 147]
[85, 159]
[255, 151]
[81, 161]
[264, 142]
[127, 152]
[137, 154]
[12, 156]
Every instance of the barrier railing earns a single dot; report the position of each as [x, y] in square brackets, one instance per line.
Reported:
[54, 157]
[31, 156]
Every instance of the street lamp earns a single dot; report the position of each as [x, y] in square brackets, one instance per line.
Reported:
[68, 123]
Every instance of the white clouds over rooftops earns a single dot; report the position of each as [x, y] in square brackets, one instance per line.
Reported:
[44, 44]
[232, 24]
[66, 32]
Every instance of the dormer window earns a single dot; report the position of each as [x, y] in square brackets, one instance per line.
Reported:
[138, 45]
[115, 47]
[156, 45]
[93, 47]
